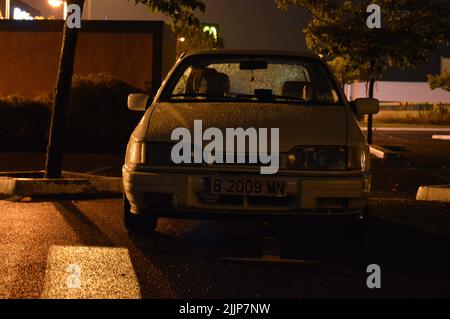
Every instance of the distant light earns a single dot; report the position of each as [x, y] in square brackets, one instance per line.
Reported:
[212, 30]
[55, 3]
[19, 14]
[182, 39]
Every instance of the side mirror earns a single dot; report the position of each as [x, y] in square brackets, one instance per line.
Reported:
[139, 102]
[365, 106]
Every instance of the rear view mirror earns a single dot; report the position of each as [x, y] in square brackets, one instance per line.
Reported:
[253, 65]
[138, 102]
[366, 106]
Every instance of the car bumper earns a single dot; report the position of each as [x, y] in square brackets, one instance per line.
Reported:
[180, 193]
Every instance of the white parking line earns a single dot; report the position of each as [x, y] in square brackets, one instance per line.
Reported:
[441, 137]
[89, 273]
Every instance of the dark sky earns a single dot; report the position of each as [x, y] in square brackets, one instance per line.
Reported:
[257, 24]
[245, 24]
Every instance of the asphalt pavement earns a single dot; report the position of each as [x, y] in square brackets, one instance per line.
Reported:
[80, 249]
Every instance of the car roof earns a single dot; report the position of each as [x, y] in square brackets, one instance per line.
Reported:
[301, 54]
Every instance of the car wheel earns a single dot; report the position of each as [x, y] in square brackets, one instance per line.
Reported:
[137, 224]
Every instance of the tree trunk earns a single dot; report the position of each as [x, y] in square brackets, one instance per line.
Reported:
[57, 136]
[370, 116]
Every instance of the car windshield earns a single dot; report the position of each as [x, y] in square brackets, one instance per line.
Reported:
[258, 79]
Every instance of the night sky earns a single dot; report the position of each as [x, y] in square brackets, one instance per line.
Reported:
[245, 24]
[257, 24]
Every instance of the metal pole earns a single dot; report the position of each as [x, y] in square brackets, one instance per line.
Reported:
[370, 116]
[8, 9]
[89, 9]
[65, 10]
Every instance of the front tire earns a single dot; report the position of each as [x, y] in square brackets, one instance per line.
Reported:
[138, 224]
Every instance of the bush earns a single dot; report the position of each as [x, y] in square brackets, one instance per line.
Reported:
[99, 120]
[23, 123]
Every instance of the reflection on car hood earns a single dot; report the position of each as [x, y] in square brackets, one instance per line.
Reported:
[298, 124]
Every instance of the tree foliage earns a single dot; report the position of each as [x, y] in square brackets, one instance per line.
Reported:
[344, 72]
[60, 110]
[411, 30]
[440, 81]
[194, 38]
[176, 10]
[184, 23]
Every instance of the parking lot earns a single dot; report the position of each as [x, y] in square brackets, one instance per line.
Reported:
[42, 241]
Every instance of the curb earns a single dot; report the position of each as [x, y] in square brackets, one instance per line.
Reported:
[382, 152]
[438, 193]
[441, 137]
[28, 184]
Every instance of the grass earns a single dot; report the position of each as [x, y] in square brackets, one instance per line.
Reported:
[411, 118]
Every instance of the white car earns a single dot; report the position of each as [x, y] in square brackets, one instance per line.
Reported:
[322, 171]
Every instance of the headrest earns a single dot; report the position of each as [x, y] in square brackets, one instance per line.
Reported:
[297, 89]
[209, 81]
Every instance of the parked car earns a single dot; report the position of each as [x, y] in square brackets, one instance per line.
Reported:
[324, 170]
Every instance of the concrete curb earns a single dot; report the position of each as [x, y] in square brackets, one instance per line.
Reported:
[438, 193]
[382, 152]
[441, 137]
[28, 184]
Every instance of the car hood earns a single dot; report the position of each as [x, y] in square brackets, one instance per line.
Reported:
[298, 124]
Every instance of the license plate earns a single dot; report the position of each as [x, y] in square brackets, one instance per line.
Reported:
[245, 186]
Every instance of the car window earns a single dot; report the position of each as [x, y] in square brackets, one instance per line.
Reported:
[255, 79]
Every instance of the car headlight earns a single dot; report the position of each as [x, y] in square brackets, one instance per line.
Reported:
[137, 153]
[359, 157]
[324, 158]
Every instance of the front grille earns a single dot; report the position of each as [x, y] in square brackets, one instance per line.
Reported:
[160, 154]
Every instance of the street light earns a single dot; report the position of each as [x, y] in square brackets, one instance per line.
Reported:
[8, 9]
[55, 3]
[58, 3]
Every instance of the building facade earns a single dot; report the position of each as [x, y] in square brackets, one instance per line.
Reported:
[139, 53]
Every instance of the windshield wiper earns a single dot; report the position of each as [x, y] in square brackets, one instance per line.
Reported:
[243, 98]
[271, 97]
[204, 95]
[303, 101]
[289, 98]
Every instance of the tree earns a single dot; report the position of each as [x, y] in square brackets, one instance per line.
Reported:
[344, 73]
[57, 137]
[180, 11]
[177, 10]
[410, 31]
[440, 81]
[193, 38]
